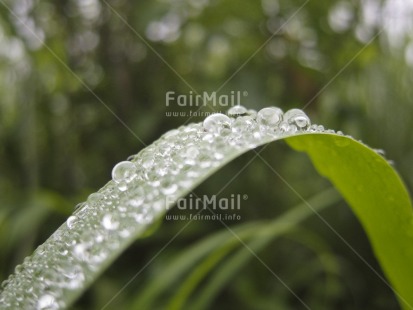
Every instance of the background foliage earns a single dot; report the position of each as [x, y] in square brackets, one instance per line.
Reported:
[349, 63]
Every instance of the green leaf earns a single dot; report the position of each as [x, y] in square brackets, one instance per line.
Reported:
[377, 196]
[106, 225]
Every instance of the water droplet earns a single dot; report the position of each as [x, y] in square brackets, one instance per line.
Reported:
[244, 124]
[237, 110]
[380, 152]
[71, 220]
[216, 122]
[225, 132]
[110, 221]
[73, 275]
[147, 162]
[124, 171]
[18, 269]
[168, 186]
[208, 138]
[191, 152]
[90, 252]
[47, 302]
[292, 129]
[153, 177]
[137, 197]
[297, 117]
[270, 117]
[4, 283]
[123, 186]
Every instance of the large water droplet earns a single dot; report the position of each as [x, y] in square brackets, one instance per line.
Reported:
[124, 171]
[237, 110]
[216, 122]
[270, 117]
[297, 117]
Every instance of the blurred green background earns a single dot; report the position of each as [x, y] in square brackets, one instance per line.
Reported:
[68, 67]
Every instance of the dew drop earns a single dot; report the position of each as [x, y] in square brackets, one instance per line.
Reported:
[18, 269]
[123, 186]
[4, 283]
[73, 274]
[297, 117]
[237, 110]
[71, 220]
[137, 197]
[292, 129]
[216, 122]
[147, 162]
[208, 138]
[168, 186]
[270, 117]
[244, 124]
[225, 132]
[124, 171]
[380, 152]
[47, 302]
[89, 252]
[110, 221]
[191, 152]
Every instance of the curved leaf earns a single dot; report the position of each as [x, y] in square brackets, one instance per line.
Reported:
[74, 256]
[377, 196]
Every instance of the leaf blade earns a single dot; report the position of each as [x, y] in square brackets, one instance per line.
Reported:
[370, 186]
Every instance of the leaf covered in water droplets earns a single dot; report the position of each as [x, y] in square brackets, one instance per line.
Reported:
[146, 186]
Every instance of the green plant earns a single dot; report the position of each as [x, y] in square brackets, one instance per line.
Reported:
[144, 188]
